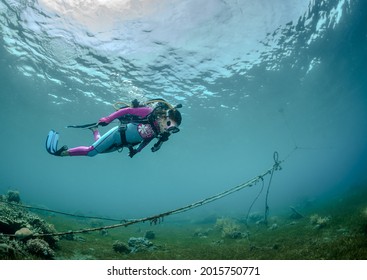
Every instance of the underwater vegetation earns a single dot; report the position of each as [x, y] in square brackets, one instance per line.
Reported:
[229, 228]
[319, 222]
[334, 229]
[17, 229]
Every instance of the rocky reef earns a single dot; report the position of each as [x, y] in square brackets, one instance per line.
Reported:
[19, 228]
[229, 228]
[134, 245]
[120, 247]
[319, 222]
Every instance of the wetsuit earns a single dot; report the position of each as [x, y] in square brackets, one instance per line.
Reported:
[129, 135]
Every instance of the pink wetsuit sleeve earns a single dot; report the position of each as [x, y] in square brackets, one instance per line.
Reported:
[140, 112]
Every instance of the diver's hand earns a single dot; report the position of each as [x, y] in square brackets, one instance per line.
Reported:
[103, 122]
[163, 137]
[155, 148]
[132, 153]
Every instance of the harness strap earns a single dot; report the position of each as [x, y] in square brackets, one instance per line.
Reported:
[122, 130]
[124, 143]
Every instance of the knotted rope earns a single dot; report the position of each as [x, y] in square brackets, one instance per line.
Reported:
[159, 217]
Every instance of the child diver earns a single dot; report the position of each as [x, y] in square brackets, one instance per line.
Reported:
[139, 125]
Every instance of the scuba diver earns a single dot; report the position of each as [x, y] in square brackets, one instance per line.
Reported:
[139, 125]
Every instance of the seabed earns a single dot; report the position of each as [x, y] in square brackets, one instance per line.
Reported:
[336, 229]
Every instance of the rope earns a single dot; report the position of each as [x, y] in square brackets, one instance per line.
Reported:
[159, 217]
[277, 164]
[253, 202]
[59, 212]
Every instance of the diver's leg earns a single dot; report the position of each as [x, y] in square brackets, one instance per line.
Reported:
[79, 151]
[96, 133]
[102, 145]
[84, 150]
[108, 142]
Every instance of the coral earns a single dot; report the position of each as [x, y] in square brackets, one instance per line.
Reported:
[23, 233]
[120, 247]
[15, 220]
[140, 244]
[11, 219]
[40, 248]
[229, 228]
[38, 225]
[319, 222]
[13, 196]
[6, 251]
[11, 249]
[135, 244]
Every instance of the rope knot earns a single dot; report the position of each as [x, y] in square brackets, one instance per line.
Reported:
[277, 162]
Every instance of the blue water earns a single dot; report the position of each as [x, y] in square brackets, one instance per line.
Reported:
[254, 77]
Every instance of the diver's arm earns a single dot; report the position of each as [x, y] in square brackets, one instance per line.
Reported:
[162, 138]
[140, 112]
[141, 146]
[156, 146]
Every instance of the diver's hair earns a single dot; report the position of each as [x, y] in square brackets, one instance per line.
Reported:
[175, 115]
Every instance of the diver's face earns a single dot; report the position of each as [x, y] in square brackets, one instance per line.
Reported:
[167, 124]
[170, 123]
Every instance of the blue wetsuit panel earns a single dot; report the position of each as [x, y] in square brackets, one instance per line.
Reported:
[109, 142]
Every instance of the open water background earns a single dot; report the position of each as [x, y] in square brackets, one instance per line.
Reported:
[254, 77]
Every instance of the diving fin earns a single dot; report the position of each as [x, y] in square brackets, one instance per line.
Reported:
[51, 143]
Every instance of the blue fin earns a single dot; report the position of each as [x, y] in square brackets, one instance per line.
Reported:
[52, 141]
[51, 144]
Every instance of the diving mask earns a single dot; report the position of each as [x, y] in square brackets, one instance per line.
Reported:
[171, 126]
